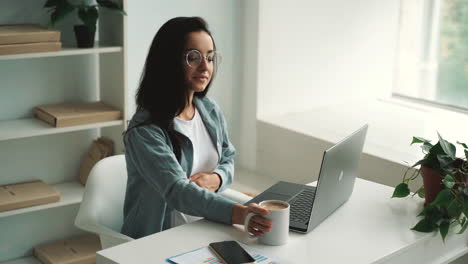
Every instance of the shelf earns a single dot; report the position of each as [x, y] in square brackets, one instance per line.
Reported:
[70, 193]
[26, 260]
[30, 127]
[30, 146]
[64, 52]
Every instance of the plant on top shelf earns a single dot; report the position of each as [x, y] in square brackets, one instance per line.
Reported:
[444, 187]
[88, 12]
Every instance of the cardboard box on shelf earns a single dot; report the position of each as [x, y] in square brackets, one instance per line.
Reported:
[26, 194]
[77, 250]
[27, 33]
[30, 48]
[71, 114]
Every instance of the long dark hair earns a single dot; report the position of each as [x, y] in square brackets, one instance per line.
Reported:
[162, 90]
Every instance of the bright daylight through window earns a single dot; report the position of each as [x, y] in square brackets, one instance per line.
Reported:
[432, 58]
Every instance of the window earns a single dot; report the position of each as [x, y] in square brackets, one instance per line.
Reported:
[432, 57]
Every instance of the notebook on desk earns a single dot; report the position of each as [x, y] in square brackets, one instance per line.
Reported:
[311, 205]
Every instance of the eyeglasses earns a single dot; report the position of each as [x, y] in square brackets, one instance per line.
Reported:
[194, 58]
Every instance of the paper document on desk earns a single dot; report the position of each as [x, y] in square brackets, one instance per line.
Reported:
[205, 256]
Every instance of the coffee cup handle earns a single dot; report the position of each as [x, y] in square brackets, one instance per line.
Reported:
[246, 224]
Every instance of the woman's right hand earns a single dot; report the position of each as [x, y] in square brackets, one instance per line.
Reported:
[258, 225]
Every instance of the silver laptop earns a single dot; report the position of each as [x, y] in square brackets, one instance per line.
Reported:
[311, 205]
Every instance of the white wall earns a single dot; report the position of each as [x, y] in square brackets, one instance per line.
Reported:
[247, 106]
[223, 17]
[313, 53]
[280, 56]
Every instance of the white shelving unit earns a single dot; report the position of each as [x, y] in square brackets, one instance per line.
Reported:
[70, 193]
[31, 127]
[27, 260]
[64, 52]
[31, 149]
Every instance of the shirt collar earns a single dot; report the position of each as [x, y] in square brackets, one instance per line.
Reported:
[203, 104]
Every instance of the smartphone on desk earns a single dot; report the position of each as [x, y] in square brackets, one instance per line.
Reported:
[230, 252]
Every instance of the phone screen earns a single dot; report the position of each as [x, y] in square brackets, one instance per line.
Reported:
[231, 252]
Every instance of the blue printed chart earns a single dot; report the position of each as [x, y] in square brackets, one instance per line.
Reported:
[264, 260]
[205, 256]
[211, 260]
[258, 258]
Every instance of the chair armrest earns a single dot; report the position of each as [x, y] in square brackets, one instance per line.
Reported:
[235, 196]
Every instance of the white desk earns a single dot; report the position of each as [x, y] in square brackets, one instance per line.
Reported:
[369, 228]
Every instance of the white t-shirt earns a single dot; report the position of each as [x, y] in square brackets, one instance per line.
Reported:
[205, 156]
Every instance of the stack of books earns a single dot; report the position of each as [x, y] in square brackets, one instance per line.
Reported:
[27, 38]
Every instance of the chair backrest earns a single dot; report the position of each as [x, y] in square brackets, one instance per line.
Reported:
[101, 210]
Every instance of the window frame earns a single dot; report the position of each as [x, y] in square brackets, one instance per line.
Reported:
[426, 71]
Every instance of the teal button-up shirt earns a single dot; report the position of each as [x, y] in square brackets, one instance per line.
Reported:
[158, 183]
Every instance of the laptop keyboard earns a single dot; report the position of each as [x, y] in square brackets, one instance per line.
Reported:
[301, 206]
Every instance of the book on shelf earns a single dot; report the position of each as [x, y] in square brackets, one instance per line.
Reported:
[27, 33]
[72, 114]
[26, 194]
[76, 250]
[9, 49]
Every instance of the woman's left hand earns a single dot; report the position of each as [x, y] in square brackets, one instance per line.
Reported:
[209, 181]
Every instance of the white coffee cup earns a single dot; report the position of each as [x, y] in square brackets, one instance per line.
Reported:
[279, 215]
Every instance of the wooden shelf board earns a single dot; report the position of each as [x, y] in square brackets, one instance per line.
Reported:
[66, 51]
[30, 127]
[70, 193]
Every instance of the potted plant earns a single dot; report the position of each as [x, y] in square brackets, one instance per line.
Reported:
[444, 187]
[88, 12]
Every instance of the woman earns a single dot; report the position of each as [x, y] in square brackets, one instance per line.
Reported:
[178, 152]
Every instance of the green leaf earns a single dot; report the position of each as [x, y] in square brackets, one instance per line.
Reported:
[447, 171]
[426, 147]
[419, 140]
[449, 182]
[463, 144]
[437, 150]
[464, 226]
[51, 3]
[421, 192]
[466, 154]
[454, 209]
[89, 16]
[401, 190]
[445, 161]
[432, 213]
[111, 6]
[443, 229]
[61, 10]
[107, 4]
[465, 209]
[420, 162]
[425, 225]
[443, 198]
[448, 147]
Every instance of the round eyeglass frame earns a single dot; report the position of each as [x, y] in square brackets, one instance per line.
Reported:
[217, 58]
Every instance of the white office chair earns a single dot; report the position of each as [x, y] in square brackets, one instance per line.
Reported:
[235, 196]
[101, 210]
